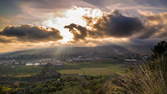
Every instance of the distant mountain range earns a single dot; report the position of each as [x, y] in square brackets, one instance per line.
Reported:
[69, 52]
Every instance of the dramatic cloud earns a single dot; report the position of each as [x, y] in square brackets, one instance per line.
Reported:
[139, 32]
[117, 25]
[31, 33]
[127, 25]
[114, 25]
[36, 11]
[78, 31]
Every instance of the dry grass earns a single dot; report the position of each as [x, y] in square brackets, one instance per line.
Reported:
[149, 78]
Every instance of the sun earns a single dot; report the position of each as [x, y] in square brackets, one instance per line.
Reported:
[74, 15]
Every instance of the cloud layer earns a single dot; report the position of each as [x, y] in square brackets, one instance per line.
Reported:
[31, 33]
[114, 25]
[113, 28]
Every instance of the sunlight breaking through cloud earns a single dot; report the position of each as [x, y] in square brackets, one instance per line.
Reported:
[74, 15]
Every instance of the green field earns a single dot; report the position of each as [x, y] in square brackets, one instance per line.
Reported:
[93, 68]
[84, 68]
[76, 78]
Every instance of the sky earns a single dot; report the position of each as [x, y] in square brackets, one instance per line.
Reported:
[44, 23]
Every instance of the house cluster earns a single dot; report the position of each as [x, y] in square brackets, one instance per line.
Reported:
[33, 62]
[79, 59]
[44, 62]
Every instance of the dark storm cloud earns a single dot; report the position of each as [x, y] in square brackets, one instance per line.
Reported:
[114, 25]
[31, 33]
[117, 25]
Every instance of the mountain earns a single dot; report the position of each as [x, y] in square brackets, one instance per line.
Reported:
[105, 51]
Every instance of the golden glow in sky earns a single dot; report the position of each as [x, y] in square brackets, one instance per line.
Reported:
[73, 15]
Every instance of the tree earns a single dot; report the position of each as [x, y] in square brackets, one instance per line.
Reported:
[48, 72]
[159, 50]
